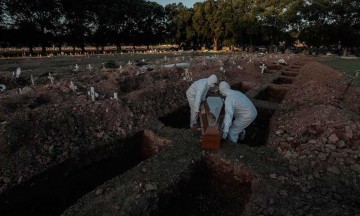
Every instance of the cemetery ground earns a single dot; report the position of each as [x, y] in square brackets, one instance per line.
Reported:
[67, 150]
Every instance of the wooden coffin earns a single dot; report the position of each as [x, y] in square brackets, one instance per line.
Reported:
[211, 118]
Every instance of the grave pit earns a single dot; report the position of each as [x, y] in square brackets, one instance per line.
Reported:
[272, 93]
[54, 190]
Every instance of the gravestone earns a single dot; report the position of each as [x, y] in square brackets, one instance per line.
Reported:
[93, 94]
[76, 68]
[89, 67]
[32, 79]
[72, 86]
[18, 72]
[51, 78]
[263, 67]
[115, 96]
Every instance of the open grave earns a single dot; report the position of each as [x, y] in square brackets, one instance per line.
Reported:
[273, 93]
[290, 74]
[180, 118]
[283, 80]
[54, 190]
[241, 86]
[257, 132]
[215, 187]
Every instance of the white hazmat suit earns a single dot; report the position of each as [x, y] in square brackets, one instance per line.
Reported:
[196, 93]
[237, 106]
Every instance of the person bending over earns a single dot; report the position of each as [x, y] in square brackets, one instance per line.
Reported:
[196, 94]
[239, 108]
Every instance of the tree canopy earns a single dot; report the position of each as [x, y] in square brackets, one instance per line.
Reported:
[212, 23]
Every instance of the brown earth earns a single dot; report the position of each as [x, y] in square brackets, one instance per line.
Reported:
[118, 158]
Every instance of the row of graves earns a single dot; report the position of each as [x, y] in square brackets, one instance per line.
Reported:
[117, 101]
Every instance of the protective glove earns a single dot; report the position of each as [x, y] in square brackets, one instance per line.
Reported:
[224, 135]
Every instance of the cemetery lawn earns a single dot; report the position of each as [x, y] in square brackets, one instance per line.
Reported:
[348, 66]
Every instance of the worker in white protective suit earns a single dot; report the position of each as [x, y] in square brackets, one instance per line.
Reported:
[196, 94]
[239, 108]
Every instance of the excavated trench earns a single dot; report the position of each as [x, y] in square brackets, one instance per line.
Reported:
[14, 83]
[241, 86]
[274, 67]
[214, 187]
[290, 74]
[272, 93]
[51, 192]
[180, 118]
[257, 132]
[283, 80]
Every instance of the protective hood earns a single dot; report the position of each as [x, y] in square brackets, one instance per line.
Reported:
[224, 88]
[212, 80]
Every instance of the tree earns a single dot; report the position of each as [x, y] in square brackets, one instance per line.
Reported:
[38, 14]
[171, 12]
[79, 20]
[273, 16]
[208, 22]
[345, 23]
[152, 24]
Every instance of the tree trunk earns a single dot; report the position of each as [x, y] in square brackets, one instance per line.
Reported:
[118, 47]
[74, 48]
[43, 41]
[43, 49]
[59, 46]
[31, 49]
[345, 51]
[148, 47]
[216, 40]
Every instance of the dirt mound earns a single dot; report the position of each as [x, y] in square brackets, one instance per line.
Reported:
[315, 124]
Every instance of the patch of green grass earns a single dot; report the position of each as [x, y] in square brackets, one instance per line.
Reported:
[347, 66]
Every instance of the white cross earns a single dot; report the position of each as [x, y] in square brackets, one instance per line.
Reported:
[92, 93]
[129, 63]
[51, 78]
[72, 86]
[76, 67]
[263, 67]
[89, 67]
[18, 72]
[116, 96]
[165, 58]
[32, 79]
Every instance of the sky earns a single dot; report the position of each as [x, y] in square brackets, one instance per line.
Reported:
[187, 3]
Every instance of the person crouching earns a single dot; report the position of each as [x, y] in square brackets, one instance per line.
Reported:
[239, 107]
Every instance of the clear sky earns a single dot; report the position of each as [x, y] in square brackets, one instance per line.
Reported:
[187, 3]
